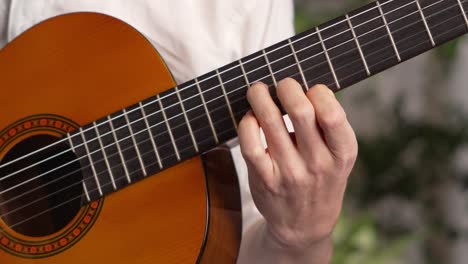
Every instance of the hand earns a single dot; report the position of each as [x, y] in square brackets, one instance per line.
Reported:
[297, 183]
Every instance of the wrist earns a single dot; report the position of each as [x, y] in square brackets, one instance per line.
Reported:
[260, 245]
[296, 241]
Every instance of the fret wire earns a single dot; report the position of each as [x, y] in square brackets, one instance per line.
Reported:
[393, 10]
[358, 45]
[328, 58]
[79, 196]
[86, 191]
[307, 69]
[419, 44]
[321, 53]
[312, 68]
[70, 142]
[143, 112]
[382, 14]
[334, 36]
[227, 99]
[117, 144]
[312, 45]
[306, 87]
[91, 163]
[269, 68]
[331, 36]
[169, 130]
[363, 12]
[72, 148]
[244, 74]
[194, 142]
[463, 12]
[132, 136]
[425, 23]
[357, 25]
[349, 76]
[105, 156]
[221, 132]
[223, 72]
[215, 136]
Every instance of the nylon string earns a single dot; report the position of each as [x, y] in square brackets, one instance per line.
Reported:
[201, 81]
[145, 130]
[308, 69]
[200, 94]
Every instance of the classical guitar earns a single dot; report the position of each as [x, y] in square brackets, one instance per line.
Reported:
[73, 130]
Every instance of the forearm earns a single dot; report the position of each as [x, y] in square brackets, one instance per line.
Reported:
[260, 246]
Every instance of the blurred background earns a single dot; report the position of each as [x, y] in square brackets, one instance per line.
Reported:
[407, 200]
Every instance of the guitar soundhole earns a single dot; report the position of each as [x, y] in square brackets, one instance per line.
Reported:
[40, 200]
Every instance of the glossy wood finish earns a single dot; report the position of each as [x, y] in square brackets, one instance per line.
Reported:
[225, 218]
[83, 67]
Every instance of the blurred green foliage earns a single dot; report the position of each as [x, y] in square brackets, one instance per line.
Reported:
[358, 239]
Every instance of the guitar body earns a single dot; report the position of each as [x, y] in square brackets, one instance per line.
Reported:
[67, 72]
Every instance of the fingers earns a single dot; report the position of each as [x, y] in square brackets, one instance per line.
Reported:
[338, 134]
[302, 115]
[271, 121]
[252, 147]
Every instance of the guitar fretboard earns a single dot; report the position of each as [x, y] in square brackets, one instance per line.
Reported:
[196, 116]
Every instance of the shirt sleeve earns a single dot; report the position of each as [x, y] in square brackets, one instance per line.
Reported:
[266, 23]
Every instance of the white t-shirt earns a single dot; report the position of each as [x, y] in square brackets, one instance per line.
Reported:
[193, 37]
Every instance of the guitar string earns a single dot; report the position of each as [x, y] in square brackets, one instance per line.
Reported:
[186, 99]
[224, 71]
[36, 177]
[157, 100]
[312, 81]
[81, 196]
[145, 130]
[171, 156]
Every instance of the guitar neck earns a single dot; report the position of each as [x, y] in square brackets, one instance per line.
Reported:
[200, 114]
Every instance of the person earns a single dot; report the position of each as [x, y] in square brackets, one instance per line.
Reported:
[297, 183]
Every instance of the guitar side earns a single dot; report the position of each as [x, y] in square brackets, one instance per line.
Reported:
[81, 67]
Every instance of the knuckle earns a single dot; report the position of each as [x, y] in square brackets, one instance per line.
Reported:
[294, 177]
[243, 121]
[317, 169]
[347, 158]
[333, 118]
[252, 154]
[262, 181]
[270, 119]
[320, 165]
[292, 171]
[248, 117]
[344, 164]
[302, 112]
[270, 186]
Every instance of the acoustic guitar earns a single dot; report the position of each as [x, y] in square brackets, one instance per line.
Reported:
[74, 129]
